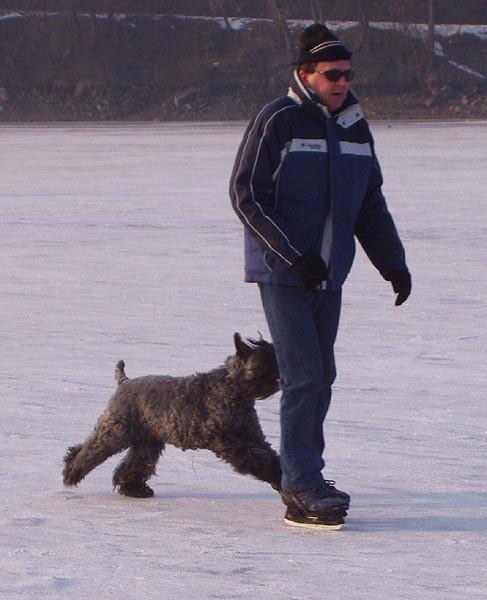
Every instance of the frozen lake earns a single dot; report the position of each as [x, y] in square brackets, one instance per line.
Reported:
[118, 241]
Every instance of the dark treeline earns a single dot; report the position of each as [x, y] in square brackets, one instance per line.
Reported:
[85, 63]
[446, 11]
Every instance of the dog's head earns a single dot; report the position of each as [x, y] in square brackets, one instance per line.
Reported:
[255, 362]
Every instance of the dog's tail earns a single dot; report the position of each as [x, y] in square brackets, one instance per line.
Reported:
[120, 376]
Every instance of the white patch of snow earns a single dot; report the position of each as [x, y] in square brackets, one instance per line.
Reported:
[479, 31]
[10, 16]
[439, 50]
[466, 69]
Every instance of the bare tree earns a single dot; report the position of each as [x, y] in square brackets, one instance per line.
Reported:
[278, 11]
[363, 40]
[416, 46]
[92, 12]
[71, 10]
[219, 9]
[431, 35]
[317, 11]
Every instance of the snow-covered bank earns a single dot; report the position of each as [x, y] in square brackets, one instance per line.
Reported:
[119, 242]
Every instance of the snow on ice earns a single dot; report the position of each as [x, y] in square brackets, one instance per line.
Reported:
[118, 241]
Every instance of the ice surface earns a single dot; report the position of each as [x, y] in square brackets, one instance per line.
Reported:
[118, 241]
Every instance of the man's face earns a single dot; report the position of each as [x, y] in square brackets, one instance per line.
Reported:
[332, 94]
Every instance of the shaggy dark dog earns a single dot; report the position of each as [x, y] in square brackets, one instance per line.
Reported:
[213, 411]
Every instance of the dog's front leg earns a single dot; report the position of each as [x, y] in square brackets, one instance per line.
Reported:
[252, 457]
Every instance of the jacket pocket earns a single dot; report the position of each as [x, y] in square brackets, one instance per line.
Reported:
[269, 262]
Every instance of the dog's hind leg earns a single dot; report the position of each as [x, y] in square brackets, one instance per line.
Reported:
[106, 440]
[131, 475]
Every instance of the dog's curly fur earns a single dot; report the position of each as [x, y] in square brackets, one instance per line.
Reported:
[213, 411]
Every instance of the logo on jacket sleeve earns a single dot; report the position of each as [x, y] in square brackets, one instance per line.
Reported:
[356, 149]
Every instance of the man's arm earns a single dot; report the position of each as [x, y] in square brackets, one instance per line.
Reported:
[252, 184]
[377, 233]
[375, 228]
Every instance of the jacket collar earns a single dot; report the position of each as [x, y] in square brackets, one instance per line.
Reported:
[349, 113]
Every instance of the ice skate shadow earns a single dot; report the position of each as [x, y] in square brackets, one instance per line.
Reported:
[422, 523]
[456, 511]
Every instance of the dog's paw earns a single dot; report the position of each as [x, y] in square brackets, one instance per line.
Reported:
[136, 490]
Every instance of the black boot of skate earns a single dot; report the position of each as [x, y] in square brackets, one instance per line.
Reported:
[329, 486]
[317, 508]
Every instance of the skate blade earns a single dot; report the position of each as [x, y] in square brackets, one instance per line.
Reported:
[314, 525]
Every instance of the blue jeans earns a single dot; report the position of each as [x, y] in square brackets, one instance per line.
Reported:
[303, 326]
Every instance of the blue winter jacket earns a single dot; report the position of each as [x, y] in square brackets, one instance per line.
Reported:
[304, 179]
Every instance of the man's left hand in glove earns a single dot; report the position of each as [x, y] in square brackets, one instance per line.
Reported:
[401, 284]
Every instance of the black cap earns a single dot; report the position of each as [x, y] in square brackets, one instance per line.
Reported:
[317, 43]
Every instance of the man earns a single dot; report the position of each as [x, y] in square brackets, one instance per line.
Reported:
[306, 182]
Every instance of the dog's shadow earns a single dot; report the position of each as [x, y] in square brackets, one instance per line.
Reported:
[379, 513]
[215, 496]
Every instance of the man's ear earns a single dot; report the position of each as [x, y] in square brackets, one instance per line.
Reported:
[243, 349]
[303, 77]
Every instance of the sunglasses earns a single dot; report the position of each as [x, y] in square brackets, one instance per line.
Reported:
[336, 74]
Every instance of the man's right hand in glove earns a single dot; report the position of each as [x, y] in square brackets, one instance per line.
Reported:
[311, 269]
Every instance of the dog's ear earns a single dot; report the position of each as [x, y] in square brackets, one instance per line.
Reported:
[243, 349]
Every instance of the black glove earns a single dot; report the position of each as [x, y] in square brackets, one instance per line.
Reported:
[311, 269]
[401, 284]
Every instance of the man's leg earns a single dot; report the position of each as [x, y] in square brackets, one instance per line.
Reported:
[326, 311]
[297, 322]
